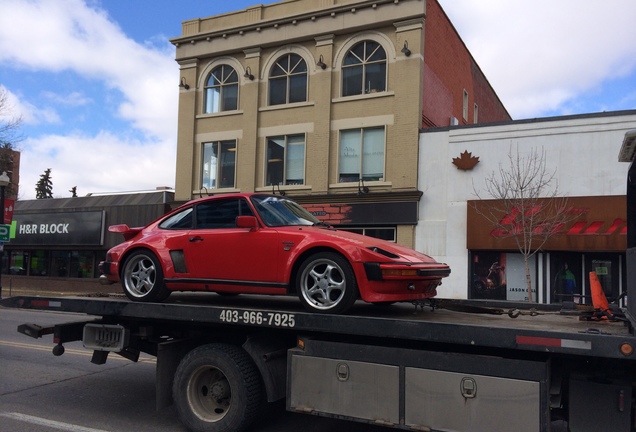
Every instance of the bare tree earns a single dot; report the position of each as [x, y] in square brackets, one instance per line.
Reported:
[526, 204]
[9, 137]
[9, 124]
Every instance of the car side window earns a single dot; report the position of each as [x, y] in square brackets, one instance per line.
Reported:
[221, 213]
[181, 220]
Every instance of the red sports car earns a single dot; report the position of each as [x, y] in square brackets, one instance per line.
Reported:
[265, 244]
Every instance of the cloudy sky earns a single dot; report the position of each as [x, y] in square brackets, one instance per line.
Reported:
[96, 82]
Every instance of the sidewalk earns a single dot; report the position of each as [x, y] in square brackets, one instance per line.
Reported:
[44, 286]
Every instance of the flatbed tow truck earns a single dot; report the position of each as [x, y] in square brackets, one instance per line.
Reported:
[443, 365]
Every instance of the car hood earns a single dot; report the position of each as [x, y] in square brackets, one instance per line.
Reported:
[385, 248]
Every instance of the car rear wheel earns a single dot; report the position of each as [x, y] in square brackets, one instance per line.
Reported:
[326, 283]
[142, 278]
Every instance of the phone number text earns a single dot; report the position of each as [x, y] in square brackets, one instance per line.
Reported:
[273, 319]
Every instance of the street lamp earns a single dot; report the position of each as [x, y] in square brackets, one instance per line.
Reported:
[4, 182]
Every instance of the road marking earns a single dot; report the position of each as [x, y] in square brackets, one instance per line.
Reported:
[49, 423]
[80, 352]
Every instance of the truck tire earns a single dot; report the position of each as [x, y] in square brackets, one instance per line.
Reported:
[217, 388]
[326, 283]
[142, 278]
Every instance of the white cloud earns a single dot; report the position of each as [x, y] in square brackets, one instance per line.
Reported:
[102, 163]
[71, 37]
[72, 99]
[540, 54]
[30, 114]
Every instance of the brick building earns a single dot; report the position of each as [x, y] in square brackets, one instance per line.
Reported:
[323, 100]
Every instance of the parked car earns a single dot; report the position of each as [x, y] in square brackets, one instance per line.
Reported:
[265, 244]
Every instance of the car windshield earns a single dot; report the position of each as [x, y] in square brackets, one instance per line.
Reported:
[278, 211]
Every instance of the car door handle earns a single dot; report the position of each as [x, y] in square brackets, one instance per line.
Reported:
[196, 238]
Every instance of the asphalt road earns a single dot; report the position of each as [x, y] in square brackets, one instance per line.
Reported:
[41, 392]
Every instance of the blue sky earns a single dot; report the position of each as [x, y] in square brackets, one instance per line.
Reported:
[96, 82]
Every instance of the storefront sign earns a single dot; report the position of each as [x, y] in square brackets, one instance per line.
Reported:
[599, 224]
[375, 213]
[52, 229]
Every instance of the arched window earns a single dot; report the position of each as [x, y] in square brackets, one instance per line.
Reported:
[288, 80]
[364, 69]
[221, 90]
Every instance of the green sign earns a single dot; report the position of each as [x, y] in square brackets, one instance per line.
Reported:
[5, 230]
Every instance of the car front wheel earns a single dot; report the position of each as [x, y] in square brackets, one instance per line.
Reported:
[326, 283]
[142, 278]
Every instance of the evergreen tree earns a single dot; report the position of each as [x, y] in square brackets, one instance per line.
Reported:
[44, 188]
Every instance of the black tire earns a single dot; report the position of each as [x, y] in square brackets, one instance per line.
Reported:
[217, 388]
[142, 278]
[326, 283]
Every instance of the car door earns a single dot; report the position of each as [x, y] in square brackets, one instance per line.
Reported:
[221, 254]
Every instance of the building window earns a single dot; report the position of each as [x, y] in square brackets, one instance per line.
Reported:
[221, 90]
[383, 233]
[364, 69]
[476, 114]
[218, 165]
[288, 80]
[285, 160]
[361, 155]
[465, 106]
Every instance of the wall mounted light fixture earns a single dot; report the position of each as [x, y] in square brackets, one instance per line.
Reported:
[405, 49]
[321, 63]
[362, 189]
[280, 192]
[183, 84]
[248, 74]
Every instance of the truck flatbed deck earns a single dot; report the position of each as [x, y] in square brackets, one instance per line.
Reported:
[543, 328]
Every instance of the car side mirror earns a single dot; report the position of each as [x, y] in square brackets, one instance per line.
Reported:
[246, 222]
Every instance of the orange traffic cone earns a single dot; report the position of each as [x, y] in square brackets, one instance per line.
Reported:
[601, 305]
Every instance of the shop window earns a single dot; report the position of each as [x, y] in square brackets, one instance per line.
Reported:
[39, 265]
[60, 262]
[18, 262]
[606, 266]
[364, 69]
[566, 277]
[288, 80]
[361, 155]
[221, 90]
[82, 264]
[285, 160]
[218, 165]
[501, 276]
[384, 233]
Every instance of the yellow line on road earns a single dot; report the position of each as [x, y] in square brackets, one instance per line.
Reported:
[84, 353]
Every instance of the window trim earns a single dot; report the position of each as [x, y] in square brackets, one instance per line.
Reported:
[202, 80]
[266, 161]
[288, 76]
[202, 161]
[389, 49]
[360, 162]
[364, 65]
[221, 87]
[465, 105]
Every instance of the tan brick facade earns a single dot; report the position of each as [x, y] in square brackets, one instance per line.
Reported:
[251, 41]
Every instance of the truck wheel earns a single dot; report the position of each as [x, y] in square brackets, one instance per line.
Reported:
[217, 388]
[142, 278]
[326, 283]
